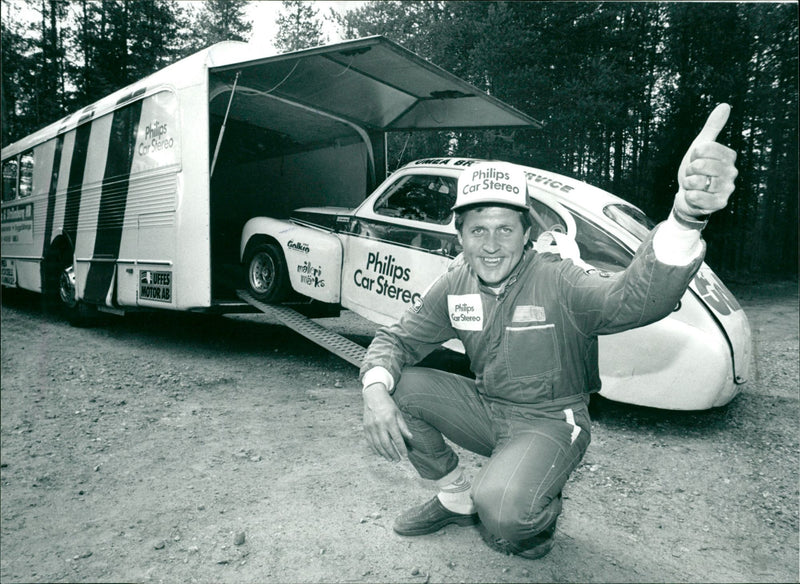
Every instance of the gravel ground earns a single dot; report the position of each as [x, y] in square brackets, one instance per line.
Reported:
[187, 448]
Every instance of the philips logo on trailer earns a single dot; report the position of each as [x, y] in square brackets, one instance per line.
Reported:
[156, 139]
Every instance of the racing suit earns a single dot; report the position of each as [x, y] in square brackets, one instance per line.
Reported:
[533, 350]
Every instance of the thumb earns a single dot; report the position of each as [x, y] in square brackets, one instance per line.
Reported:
[714, 124]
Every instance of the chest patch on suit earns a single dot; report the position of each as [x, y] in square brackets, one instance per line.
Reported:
[466, 312]
[528, 313]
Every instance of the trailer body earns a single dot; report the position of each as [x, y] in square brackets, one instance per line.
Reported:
[138, 200]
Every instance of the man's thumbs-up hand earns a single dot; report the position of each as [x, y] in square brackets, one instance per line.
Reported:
[707, 172]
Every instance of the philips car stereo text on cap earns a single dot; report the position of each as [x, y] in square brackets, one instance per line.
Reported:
[487, 183]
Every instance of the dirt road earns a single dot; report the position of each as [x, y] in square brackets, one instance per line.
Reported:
[179, 448]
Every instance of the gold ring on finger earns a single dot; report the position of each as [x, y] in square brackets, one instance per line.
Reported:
[708, 183]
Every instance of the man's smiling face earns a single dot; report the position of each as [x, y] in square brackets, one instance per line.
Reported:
[493, 239]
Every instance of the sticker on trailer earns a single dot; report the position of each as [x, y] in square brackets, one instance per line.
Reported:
[155, 286]
[9, 272]
[17, 223]
[157, 139]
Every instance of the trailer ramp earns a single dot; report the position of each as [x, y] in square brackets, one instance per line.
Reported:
[333, 342]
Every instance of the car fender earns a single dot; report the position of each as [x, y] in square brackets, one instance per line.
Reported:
[313, 257]
[693, 374]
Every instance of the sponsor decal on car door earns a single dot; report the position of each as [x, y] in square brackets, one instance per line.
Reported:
[386, 278]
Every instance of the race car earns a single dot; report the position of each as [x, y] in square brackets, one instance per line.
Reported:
[378, 259]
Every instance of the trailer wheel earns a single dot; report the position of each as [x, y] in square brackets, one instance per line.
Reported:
[78, 312]
[58, 288]
[267, 277]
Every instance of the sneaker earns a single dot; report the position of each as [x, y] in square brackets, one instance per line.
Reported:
[429, 518]
[533, 549]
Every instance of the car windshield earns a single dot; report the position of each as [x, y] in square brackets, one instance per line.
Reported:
[630, 219]
[425, 198]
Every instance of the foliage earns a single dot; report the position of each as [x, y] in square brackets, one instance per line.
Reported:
[218, 20]
[621, 88]
[299, 26]
[18, 76]
[118, 42]
[74, 53]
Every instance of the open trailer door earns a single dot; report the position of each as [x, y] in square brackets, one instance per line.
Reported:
[365, 87]
[308, 128]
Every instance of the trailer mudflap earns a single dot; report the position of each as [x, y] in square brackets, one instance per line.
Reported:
[335, 343]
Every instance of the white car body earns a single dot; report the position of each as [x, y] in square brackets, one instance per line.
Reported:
[375, 262]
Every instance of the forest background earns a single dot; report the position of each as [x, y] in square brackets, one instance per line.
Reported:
[622, 88]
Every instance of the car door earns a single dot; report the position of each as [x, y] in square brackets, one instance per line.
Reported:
[397, 243]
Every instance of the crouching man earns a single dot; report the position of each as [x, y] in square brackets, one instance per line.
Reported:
[529, 323]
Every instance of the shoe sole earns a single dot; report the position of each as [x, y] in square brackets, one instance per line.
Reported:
[506, 547]
[538, 551]
[434, 527]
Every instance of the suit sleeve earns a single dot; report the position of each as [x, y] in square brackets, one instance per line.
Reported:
[419, 331]
[646, 291]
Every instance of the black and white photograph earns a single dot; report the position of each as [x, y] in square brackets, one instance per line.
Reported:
[399, 291]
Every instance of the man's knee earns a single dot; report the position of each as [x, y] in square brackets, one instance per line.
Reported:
[412, 388]
[514, 512]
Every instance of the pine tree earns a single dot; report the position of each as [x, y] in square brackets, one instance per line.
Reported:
[117, 42]
[153, 29]
[298, 26]
[219, 20]
[48, 91]
[17, 75]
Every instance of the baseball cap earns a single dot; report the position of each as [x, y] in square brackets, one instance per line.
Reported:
[487, 183]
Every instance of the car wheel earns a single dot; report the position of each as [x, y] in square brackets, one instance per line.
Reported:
[267, 278]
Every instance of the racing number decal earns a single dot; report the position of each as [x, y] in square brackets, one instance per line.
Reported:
[715, 294]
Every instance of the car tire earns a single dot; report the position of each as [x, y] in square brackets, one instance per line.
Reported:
[267, 277]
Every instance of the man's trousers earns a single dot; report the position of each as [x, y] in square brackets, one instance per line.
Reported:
[531, 453]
